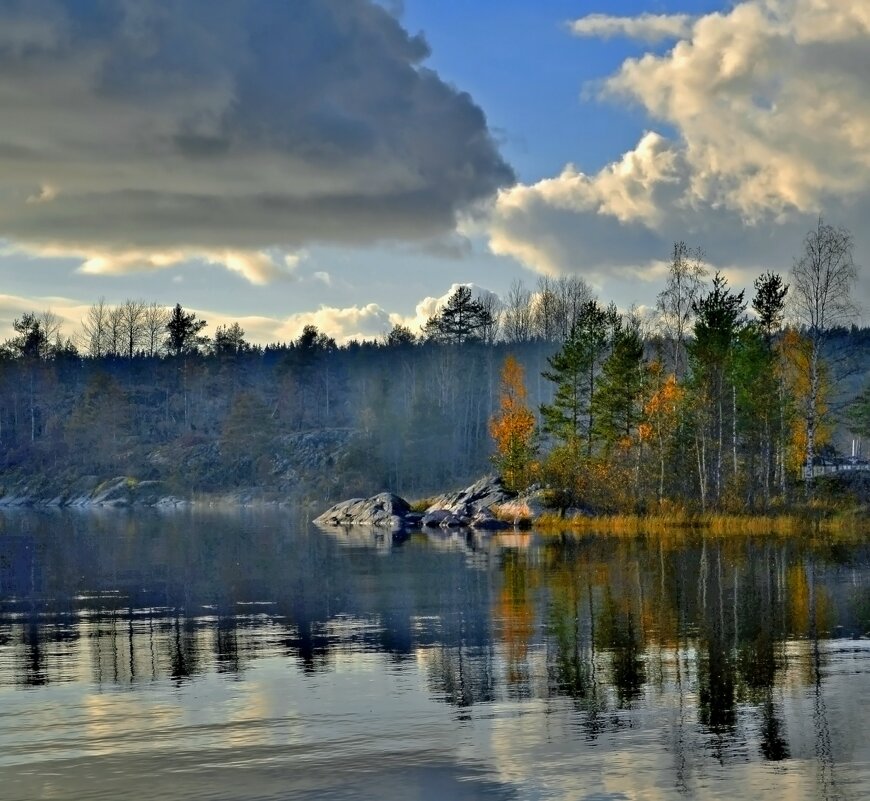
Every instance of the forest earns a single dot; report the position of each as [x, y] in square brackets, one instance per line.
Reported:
[712, 400]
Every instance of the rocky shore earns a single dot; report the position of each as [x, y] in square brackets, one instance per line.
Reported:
[486, 505]
[89, 491]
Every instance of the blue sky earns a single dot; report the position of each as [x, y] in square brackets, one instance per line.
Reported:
[535, 80]
[309, 166]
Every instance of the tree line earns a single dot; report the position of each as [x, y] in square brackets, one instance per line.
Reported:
[703, 403]
[721, 410]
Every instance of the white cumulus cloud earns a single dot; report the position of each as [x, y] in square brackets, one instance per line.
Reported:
[646, 27]
[766, 115]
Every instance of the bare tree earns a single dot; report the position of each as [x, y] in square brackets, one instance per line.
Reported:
[821, 299]
[50, 323]
[94, 334]
[115, 332]
[132, 325]
[674, 303]
[574, 294]
[155, 319]
[546, 312]
[492, 307]
[517, 321]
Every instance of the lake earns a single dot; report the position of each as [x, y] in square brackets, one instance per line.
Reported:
[246, 655]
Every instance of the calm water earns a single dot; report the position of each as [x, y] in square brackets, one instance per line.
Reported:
[247, 656]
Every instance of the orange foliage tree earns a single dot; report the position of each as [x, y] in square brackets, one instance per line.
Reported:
[662, 416]
[513, 427]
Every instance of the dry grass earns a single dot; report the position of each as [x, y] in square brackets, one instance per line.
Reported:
[421, 505]
[517, 513]
[719, 524]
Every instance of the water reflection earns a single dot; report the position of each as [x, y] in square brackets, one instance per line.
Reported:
[710, 643]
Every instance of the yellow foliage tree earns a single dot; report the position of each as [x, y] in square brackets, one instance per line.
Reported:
[796, 352]
[513, 427]
[661, 414]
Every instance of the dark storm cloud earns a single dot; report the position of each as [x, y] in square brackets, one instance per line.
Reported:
[210, 125]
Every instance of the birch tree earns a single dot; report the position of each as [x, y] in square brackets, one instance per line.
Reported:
[823, 277]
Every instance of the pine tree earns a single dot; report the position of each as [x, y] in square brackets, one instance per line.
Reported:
[618, 404]
[462, 320]
[570, 417]
[563, 418]
[718, 319]
[183, 332]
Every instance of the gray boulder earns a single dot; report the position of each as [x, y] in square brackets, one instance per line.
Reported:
[485, 520]
[489, 491]
[435, 518]
[384, 510]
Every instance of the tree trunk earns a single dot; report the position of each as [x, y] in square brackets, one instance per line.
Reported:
[812, 417]
[734, 427]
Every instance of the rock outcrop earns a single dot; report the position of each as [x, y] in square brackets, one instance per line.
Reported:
[471, 507]
[89, 491]
[384, 510]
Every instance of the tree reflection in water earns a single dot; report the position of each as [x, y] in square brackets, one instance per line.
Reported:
[698, 627]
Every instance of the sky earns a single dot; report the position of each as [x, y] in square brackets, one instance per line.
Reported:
[347, 162]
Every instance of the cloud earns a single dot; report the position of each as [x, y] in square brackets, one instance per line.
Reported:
[428, 306]
[352, 322]
[69, 312]
[646, 27]
[222, 131]
[771, 115]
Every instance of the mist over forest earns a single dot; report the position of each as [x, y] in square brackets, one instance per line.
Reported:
[703, 402]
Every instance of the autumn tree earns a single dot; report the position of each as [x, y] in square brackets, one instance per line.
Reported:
[806, 387]
[824, 275]
[513, 427]
[662, 417]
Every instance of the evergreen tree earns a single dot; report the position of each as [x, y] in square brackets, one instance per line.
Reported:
[32, 341]
[462, 320]
[399, 336]
[229, 340]
[769, 304]
[183, 332]
[718, 319]
[760, 389]
[573, 369]
[563, 418]
[618, 403]
[858, 414]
